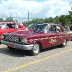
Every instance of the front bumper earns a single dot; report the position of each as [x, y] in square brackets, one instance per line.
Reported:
[19, 46]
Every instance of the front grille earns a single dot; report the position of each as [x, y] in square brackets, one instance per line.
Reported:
[11, 38]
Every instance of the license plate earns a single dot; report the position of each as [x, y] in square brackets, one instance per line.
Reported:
[11, 45]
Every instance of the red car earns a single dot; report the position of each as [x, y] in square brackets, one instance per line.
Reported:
[10, 27]
[39, 36]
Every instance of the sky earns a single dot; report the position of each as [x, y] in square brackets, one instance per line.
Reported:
[37, 8]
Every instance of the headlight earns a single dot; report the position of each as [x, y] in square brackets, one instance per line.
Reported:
[24, 40]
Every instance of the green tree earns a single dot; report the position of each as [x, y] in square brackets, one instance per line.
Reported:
[46, 20]
[50, 20]
[9, 19]
[37, 21]
[68, 21]
[25, 23]
[56, 20]
[1, 20]
[65, 20]
[70, 15]
[62, 19]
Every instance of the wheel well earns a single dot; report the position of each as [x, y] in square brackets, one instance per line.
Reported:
[39, 44]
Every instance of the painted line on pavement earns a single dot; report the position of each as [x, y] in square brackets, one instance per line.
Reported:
[35, 62]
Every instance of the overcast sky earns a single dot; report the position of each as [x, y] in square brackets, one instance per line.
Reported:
[36, 8]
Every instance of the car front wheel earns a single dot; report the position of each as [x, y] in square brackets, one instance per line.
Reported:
[35, 50]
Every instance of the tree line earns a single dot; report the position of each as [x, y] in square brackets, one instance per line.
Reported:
[65, 20]
[8, 19]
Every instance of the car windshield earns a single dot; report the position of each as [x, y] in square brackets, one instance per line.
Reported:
[2, 26]
[37, 27]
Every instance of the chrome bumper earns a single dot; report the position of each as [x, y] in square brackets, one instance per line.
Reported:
[19, 46]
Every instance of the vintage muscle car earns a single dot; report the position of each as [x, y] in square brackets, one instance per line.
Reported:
[37, 37]
[10, 27]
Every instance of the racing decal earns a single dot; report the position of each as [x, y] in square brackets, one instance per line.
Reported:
[60, 36]
[37, 39]
[52, 41]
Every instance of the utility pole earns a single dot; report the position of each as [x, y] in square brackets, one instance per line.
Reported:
[28, 16]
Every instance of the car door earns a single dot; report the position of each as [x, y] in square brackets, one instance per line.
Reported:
[60, 33]
[53, 36]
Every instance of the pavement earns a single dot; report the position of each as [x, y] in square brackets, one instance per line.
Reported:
[54, 59]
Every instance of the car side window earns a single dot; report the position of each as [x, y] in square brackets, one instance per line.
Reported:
[4, 26]
[19, 26]
[58, 29]
[11, 25]
[46, 29]
[52, 29]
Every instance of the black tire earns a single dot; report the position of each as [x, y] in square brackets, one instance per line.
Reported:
[35, 50]
[64, 43]
[0, 42]
[10, 48]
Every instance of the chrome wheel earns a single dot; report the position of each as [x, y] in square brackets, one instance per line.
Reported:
[36, 49]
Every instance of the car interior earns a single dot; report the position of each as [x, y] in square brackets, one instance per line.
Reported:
[11, 26]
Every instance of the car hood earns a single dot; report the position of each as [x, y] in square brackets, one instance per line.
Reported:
[22, 33]
[25, 33]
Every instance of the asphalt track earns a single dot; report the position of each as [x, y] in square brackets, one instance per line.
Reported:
[55, 59]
